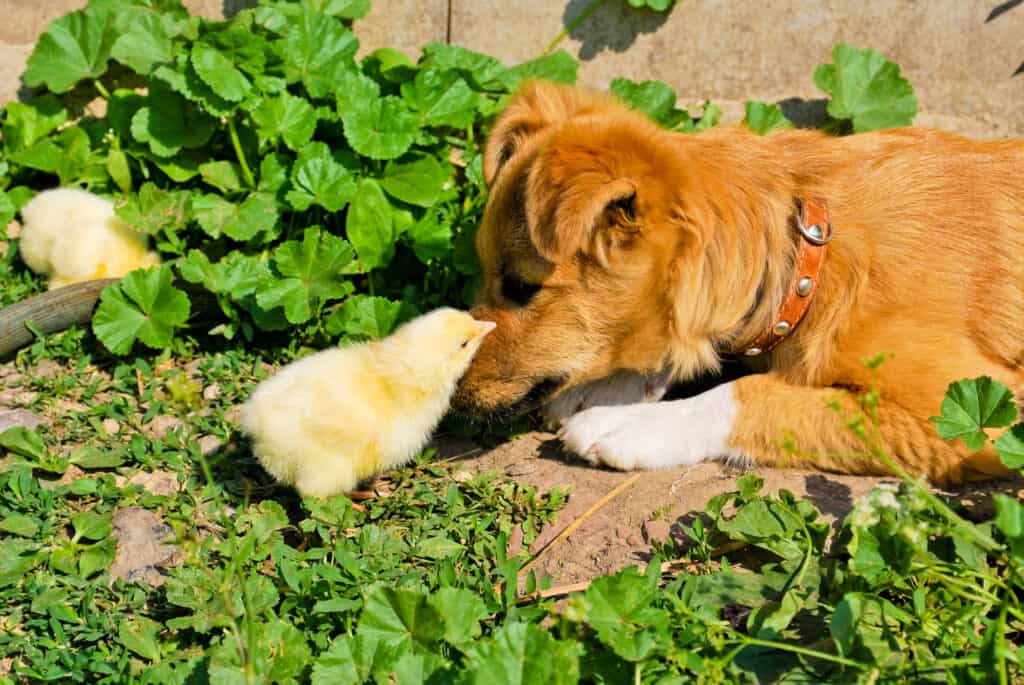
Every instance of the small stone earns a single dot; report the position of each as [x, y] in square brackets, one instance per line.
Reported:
[13, 229]
[515, 541]
[523, 468]
[46, 368]
[657, 530]
[462, 476]
[210, 444]
[144, 551]
[634, 540]
[233, 414]
[111, 426]
[157, 482]
[211, 392]
[162, 425]
[9, 418]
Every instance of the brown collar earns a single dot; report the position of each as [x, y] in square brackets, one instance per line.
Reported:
[815, 234]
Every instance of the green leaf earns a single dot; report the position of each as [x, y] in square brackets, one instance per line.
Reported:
[286, 117]
[23, 442]
[143, 306]
[222, 175]
[370, 226]
[147, 43]
[96, 558]
[244, 221]
[392, 65]
[971, 405]
[653, 98]
[93, 458]
[1010, 447]
[419, 180]
[352, 660]
[655, 5]
[317, 51]
[119, 170]
[398, 615]
[236, 274]
[442, 97]
[280, 653]
[19, 524]
[7, 209]
[866, 89]
[141, 635]
[169, 123]
[75, 154]
[319, 178]
[343, 9]
[1009, 516]
[483, 71]
[430, 237]
[25, 123]
[762, 117]
[619, 608]
[381, 128]
[154, 210]
[17, 558]
[312, 272]
[560, 67]
[523, 654]
[220, 73]
[365, 316]
[74, 47]
[91, 526]
[461, 610]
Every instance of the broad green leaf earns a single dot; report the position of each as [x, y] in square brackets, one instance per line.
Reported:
[352, 660]
[971, 405]
[25, 123]
[430, 237]
[365, 316]
[76, 151]
[523, 654]
[23, 442]
[7, 209]
[762, 117]
[866, 89]
[119, 170]
[74, 47]
[154, 210]
[560, 67]
[392, 65]
[290, 118]
[398, 615]
[418, 180]
[183, 79]
[169, 123]
[147, 43]
[311, 273]
[866, 557]
[143, 306]
[442, 97]
[1010, 447]
[91, 526]
[655, 5]
[220, 73]
[280, 655]
[844, 623]
[370, 226]
[236, 274]
[343, 9]
[483, 71]
[222, 175]
[17, 557]
[317, 51]
[20, 524]
[93, 458]
[653, 98]
[141, 636]
[461, 610]
[319, 178]
[1009, 516]
[242, 221]
[383, 128]
[619, 608]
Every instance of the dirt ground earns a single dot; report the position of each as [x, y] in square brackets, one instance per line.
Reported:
[620, 532]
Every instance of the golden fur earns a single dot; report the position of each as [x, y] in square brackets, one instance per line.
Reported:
[657, 249]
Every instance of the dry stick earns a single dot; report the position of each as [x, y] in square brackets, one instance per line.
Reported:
[572, 527]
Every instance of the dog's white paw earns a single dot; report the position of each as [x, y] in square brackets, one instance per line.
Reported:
[653, 436]
[621, 388]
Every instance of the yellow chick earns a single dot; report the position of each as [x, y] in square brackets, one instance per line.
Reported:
[71, 235]
[326, 422]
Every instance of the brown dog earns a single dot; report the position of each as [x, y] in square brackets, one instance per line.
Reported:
[618, 257]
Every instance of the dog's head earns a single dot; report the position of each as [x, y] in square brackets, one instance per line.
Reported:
[595, 244]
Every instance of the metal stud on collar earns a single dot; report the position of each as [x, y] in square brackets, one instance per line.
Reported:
[804, 286]
[753, 352]
[814, 233]
[781, 328]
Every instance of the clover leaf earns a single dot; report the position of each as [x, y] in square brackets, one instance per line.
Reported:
[144, 306]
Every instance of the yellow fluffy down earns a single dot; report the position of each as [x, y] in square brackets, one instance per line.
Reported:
[71, 235]
[330, 420]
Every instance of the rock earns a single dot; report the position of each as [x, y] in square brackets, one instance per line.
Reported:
[462, 476]
[144, 551]
[111, 426]
[10, 418]
[515, 541]
[157, 482]
[211, 392]
[210, 444]
[657, 530]
[162, 425]
[47, 368]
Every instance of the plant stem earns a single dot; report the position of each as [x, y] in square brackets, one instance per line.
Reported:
[587, 11]
[101, 89]
[797, 649]
[235, 143]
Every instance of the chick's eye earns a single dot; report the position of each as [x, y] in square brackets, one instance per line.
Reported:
[464, 343]
[518, 291]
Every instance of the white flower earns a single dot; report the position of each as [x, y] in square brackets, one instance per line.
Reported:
[886, 500]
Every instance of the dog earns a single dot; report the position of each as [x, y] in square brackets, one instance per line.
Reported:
[619, 257]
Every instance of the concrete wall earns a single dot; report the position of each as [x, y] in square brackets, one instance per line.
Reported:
[961, 55]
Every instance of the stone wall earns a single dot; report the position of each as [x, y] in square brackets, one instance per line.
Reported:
[962, 56]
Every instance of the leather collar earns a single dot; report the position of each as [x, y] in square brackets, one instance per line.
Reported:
[815, 229]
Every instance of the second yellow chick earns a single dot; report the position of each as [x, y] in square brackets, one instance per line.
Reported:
[326, 422]
[72, 235]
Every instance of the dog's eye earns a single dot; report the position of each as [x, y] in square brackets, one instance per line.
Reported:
[518, 291]
[626, 207]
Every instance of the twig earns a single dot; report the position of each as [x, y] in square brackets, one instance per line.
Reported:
[587, 11]
[572, 527]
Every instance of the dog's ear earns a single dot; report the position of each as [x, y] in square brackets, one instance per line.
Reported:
[564, 219]
[535, 106]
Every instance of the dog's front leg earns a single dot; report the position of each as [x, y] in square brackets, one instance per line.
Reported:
[620, 388]
[765, 420]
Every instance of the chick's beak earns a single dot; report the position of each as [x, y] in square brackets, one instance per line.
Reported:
[484, 327]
